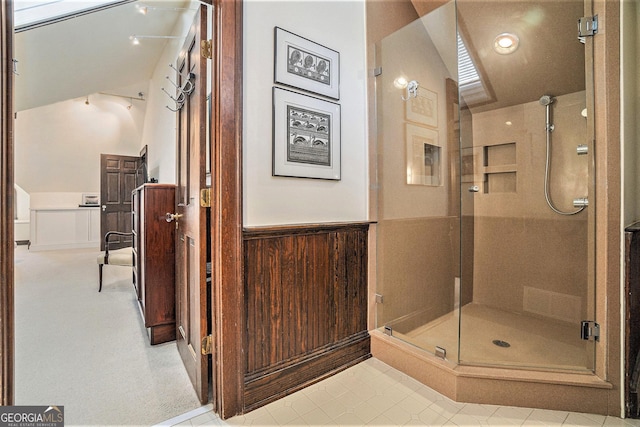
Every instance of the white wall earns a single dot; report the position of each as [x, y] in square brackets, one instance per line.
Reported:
[268, 200]
[58, 146]
[160, 124]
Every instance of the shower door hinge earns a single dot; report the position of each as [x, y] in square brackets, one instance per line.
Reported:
[587, 26]
[590, 330]
[377, 71]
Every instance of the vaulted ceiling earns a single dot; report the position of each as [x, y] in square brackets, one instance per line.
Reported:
[91, 53]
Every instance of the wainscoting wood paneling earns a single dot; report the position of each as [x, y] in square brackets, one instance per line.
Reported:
[305, 305]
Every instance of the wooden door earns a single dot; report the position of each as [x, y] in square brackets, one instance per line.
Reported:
[191, 261]
[118, 176]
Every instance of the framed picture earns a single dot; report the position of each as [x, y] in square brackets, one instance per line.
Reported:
[423, 156]
[90, 199]
[423, 109]
[306, 65]
[306, 136]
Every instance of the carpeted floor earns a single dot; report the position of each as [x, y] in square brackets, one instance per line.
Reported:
[87, 350]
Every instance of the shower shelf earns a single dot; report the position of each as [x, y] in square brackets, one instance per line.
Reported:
[500, 169]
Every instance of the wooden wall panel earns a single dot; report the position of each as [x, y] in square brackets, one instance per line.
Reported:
[305, 305]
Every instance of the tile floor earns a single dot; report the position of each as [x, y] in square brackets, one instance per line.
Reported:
[373, 393]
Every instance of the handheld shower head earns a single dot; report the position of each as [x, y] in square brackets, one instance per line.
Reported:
[547, 100]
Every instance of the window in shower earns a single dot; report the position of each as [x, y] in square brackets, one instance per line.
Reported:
[490, 261]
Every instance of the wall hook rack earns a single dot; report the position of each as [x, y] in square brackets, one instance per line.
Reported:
[182, 91]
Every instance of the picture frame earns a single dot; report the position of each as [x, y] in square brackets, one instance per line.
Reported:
[306, 136]
[423, 108]
[90, 199]
[306, 65]
[424, 156]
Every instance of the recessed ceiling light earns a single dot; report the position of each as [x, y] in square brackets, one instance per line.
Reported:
[506, 43]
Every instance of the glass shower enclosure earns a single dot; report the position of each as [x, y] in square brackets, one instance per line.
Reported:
[485, 168]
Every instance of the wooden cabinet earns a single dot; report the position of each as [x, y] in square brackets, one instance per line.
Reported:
[154, 259]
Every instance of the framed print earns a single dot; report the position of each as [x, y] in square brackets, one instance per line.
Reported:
[423, 156]
[90, 199]
[306, 136]
[306, 65]
[423, 109]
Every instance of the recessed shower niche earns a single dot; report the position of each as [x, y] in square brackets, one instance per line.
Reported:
[500, 168]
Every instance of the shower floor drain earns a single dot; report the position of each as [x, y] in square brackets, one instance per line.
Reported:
[501, 343]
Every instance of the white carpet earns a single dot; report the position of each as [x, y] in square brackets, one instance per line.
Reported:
[87, 350]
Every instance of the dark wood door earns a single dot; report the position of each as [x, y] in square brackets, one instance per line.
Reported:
[191, 283]
[117, 181]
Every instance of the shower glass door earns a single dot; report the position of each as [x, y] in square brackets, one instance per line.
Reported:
[485, 235]
[418, 222]
[526, 180]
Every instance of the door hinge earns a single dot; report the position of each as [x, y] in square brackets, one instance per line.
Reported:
[379, 299]
[377, 71]
[587, 26]
[205, 197]
[205, 48]
[590, 330]
[207, 345]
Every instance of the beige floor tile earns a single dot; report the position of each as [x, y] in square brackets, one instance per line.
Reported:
[372, 393]
[283, 414]
[317, 417]
[367, 412]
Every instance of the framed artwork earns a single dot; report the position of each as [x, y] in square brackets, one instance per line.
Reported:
[90, 199]
[423, 156]
[306, 136]
[306, 65]
[423, 108]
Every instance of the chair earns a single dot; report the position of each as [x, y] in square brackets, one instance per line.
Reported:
[123, 257]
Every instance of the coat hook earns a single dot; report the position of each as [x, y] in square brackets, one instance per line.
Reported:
[179, 100]
[184, 76]
[187, 87]
[412, 90]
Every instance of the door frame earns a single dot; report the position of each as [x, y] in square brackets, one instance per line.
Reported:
[226, 224]
[226, 210]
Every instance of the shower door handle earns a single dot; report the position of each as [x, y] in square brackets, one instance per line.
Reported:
[474, 189]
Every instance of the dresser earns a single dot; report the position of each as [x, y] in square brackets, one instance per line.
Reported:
[154, 259]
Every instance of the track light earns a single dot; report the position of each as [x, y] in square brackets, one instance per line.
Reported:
[144, 9]
[135, 39]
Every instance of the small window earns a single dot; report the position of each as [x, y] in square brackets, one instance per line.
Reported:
[33, 13]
